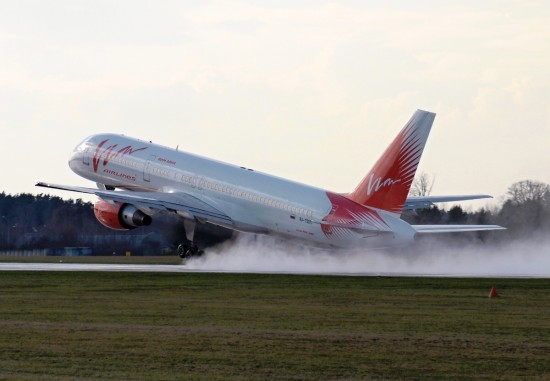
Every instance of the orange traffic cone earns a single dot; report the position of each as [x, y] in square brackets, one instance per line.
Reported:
[493, 293]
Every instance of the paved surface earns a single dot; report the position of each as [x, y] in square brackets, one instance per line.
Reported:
[184, 269]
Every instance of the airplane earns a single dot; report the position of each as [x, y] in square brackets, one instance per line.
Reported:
[137, 179]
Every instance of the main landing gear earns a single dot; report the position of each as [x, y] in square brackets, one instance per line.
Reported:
[189, 248]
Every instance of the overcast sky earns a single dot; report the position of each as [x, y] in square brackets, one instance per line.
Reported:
[313, 92]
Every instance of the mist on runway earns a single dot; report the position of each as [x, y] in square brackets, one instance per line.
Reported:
[250, 253]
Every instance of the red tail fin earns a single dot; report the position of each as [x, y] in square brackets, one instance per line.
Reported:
[387, 184]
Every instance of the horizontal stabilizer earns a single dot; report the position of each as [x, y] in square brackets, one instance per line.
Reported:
[419, 202]
[438, 229]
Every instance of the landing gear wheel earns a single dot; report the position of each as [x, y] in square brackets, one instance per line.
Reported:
[181, 251]
[188, 250]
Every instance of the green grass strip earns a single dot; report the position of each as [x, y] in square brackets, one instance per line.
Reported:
[143, 326]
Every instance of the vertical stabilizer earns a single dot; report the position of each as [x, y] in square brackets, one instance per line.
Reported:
[387, 184]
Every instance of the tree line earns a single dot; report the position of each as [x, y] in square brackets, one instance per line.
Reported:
[30, 221]
[525, 212]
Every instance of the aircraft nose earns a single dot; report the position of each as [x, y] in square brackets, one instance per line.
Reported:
[74, 159]
[79, 158]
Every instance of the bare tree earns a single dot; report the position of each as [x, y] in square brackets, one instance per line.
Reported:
[528, 191]
[422, 185]
[527, 208]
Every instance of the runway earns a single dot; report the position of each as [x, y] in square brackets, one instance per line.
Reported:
[140, 268]
[14, 266]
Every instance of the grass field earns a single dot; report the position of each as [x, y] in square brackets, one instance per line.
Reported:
[144, 326]
[150, 260]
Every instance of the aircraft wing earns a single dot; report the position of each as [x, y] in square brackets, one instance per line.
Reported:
[438, 229]
[190, 206]
[419, 202]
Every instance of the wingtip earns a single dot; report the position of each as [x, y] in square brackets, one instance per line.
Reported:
[485, 196]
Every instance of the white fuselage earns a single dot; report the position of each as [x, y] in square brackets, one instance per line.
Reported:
[255, 202]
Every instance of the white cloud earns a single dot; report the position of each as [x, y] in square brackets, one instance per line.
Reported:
[313, 92]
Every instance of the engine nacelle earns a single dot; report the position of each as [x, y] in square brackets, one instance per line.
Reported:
[120, 216]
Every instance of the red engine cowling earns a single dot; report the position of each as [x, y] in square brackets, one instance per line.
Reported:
[120, 216]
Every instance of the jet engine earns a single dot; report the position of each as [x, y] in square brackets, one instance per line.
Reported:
[120, 216]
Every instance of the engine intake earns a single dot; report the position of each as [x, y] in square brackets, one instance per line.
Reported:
[120, 216]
